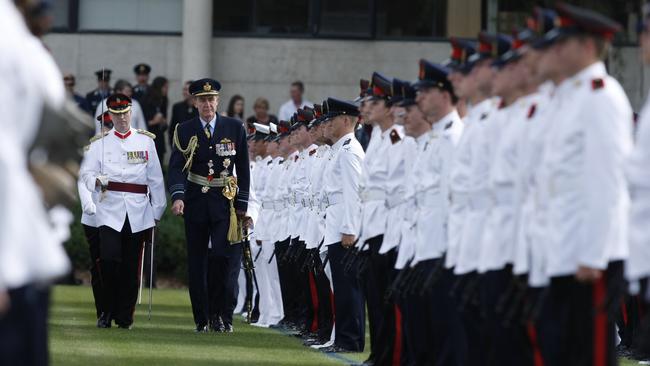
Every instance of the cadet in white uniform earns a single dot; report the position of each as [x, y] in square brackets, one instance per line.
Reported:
[31, 255]
[582, 171]
[342, 225]
[436, 101]
[123, 166]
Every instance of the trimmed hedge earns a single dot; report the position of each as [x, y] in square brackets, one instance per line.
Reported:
[170, 253]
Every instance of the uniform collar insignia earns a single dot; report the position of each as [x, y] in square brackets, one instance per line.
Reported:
[448, 125]
[347, 142]
[122, 135]
[394, 137]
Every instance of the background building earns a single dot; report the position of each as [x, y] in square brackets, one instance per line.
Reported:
[258, 47]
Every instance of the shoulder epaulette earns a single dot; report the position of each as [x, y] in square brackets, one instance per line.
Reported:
[98, 136]
[146, 133]
[597, 84]
[394, 137]
[93, 139]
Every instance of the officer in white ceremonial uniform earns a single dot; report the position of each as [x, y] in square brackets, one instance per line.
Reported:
[271, 311]
[299, 185]
[436, 101]
[468, 185]
[282, 232]
[376, 277]
[342, 225]
[88, 200]
[499, 239]
[31, 255]
[586, 193]
[638, 265]
[637, 268]
[123, 166]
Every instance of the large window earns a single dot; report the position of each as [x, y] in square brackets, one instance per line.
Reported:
[411, 18]
[512, 13]
[345, 18]
[333, 18]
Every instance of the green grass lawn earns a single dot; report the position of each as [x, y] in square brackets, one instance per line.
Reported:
[168, 339]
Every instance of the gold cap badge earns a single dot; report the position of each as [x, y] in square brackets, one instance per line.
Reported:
[207, 86]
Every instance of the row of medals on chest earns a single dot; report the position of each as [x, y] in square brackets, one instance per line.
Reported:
[224, 173]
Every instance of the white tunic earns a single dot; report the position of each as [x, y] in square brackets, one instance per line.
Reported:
[400, 160]
[431, 185]
[341, 185]
[373, 186]
[315, 213]
[406, 249]
[123, 166]
[467, 209]
[499, 236]
[583, 162]
[638, 173]
[529, 253]
[300, 191]
[29, 249]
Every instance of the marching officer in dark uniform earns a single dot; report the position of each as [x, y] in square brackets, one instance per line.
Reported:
[208, 152]
[142, 72]
[103, 89]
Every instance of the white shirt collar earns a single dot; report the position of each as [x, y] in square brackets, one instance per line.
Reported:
[212, 122]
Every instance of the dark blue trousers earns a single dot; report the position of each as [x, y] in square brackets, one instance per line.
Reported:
[212, 272]
[350, 317]
[23, 329]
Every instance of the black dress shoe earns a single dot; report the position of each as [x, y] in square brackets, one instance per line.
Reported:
[336, 349]
[201, 328]
[216, 325]
[227, 328]
[104, 321]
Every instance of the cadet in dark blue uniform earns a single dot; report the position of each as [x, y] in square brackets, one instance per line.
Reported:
[102, 92]
[141, 87]
[206, 152]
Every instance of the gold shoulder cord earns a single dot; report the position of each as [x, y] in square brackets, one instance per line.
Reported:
[187, 152]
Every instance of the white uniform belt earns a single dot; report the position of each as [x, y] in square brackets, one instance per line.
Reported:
[394, 200]
[279, 205]
[373, 195]
[504, 197]
[334, 199]
[479, 201]
[459, 198]
[428, 199]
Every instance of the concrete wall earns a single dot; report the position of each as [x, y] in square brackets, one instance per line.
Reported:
[255, 67]
[252, 67]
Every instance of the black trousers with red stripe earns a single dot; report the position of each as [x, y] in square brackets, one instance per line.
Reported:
[119, 254]
[381, 313]
[579, 329]
[321, 319]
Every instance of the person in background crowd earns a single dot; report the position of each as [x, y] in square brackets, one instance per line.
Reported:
[296, 92]
[154, 106]
[182, 111]
[261, 116]
[70, 81]
[236, 107]
[142, 72]
[102, 91]
[137, 116]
